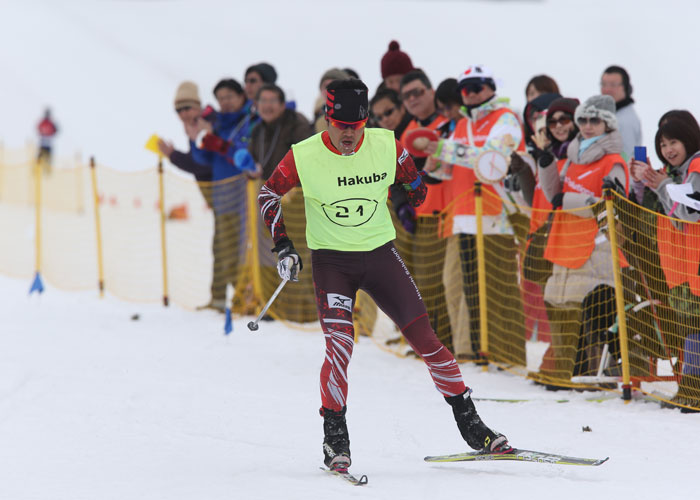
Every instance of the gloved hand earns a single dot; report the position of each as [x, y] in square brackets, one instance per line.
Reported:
[288, 261]
[407, 217]
[615, 185]
[546, 159]
[557, 201]
[214, 143]
[517, 164]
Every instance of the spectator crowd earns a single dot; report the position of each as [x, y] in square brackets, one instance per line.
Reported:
[562, 155]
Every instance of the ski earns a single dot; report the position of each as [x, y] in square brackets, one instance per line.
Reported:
[347, 476]
[518, 455]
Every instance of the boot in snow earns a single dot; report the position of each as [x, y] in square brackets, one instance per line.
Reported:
[473, 430]
[336, 441]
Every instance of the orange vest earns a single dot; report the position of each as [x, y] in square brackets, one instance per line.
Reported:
[460, 188]
[435, 198]
[572, 238]
[679, 250]
[541, 207]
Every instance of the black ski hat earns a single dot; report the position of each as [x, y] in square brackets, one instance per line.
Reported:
[347, 100]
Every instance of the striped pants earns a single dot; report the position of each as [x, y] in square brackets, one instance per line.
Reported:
[383, 275]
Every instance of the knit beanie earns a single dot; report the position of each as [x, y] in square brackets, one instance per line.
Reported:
[266, 71]
[564, 104]
[347, 100]
[395, 62]
[187, 94]
[598, 106]
[334, 74]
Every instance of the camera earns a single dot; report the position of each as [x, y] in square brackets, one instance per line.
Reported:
[511, 182]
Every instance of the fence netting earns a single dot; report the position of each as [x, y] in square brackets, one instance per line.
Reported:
[590, 298]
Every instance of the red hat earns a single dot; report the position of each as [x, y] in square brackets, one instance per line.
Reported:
[395, 62]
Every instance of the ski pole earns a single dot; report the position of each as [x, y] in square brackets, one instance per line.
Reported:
[253, 325]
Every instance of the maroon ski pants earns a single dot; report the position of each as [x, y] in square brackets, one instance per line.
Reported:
[383, 275]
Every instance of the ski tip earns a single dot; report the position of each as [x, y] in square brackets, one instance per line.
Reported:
[602, 461]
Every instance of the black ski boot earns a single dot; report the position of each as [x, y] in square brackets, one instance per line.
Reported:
[473, 430]
[336, 442]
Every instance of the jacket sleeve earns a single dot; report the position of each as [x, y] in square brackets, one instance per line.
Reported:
[407, 177]
[201, 156]
[283, 179]
[549, 179]
[184, 161]
[682, 211]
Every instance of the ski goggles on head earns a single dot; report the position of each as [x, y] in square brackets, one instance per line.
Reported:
[472, 88]
[345, 125]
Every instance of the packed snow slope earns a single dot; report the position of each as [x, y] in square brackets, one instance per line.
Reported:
[98, 405]
[109, 69]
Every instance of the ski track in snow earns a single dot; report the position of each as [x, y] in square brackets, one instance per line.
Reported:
[94, 405]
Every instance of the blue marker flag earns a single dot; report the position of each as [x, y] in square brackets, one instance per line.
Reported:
[228, 327]
[37, 284]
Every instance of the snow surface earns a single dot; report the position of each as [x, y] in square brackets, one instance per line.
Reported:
[95, 405]
[109, 69]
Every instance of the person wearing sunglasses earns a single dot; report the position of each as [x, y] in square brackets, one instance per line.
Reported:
[418, 96]
[488, 125]
[345, 173]
[581, 285]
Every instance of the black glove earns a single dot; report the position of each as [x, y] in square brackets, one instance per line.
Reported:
[288, 261]
[614, 185]
[546, 159]
[557, 200]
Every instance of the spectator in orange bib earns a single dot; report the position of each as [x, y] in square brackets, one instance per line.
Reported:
[678, 147]
[489, 127]
[582, 278]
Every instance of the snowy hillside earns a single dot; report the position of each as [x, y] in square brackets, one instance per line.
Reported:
[109, 69]
[97, 405]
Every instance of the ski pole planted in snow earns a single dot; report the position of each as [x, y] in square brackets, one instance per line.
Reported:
[253, 325]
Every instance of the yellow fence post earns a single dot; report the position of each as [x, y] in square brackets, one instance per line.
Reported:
[254, 240]
[98, 228]
[161, 204]
[619, 297]
[37, 219]
[481, 274]
[37, 284]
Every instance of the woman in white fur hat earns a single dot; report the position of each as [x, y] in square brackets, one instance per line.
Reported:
[580, 293]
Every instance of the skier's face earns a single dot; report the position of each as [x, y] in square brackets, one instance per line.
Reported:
[343, 137]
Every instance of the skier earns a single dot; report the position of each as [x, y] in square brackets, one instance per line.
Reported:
[47, 129]
[346, 173]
